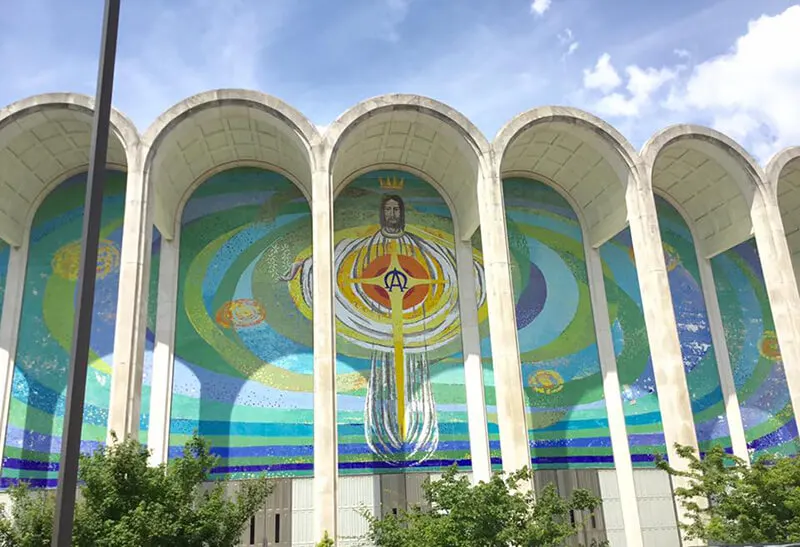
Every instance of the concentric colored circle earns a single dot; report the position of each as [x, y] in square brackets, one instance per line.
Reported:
[546, 382]
[410, 268]
[241, 313]
[66, 261]
[768, 346]
[426, 274]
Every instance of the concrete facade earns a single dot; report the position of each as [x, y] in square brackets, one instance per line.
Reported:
[738, 222]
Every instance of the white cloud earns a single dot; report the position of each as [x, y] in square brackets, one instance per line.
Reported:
[573, 47]
[566, 38]
[682, 53]
[751, 93]
[603, 76]
[643, 84]
[540, 6]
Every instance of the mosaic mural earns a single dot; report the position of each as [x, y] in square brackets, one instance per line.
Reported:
[566, 411]
[635, 368]
[39, 383]
[694, 333]
[754, 352]
[400, 376]
[243, 343]
[243, 368]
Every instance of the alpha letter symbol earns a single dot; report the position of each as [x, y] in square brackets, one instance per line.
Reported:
[395, 279]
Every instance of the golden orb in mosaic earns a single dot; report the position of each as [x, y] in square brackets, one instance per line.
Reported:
[240, 313]
[66, 261]
[768, 346]
[546, 382]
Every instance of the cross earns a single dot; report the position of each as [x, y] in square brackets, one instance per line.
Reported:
[396, 281]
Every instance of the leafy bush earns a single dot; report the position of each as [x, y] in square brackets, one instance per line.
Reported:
[125, 503]
[746, 505]
[495, 514]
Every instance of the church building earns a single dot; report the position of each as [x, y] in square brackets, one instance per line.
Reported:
[352, 309]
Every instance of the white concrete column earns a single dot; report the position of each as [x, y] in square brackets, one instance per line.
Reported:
[733, 412]
[662, 331]
[611, 390]
[776, 264]
[9, 331]
[131, 326]
[473, 369]
[326, 455]
[503, 323]
[164, 352]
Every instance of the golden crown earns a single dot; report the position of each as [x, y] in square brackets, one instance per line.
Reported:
[391, 183]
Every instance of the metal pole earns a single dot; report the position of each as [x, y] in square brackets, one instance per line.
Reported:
[76, 386]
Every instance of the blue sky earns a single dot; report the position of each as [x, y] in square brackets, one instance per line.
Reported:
[641, 65]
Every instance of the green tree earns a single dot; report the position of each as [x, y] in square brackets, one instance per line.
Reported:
[326, 541]
[498, 513]
[123, 502]
[746, 505]
[31, 520]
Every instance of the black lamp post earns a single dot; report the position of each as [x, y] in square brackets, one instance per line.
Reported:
[76, 386]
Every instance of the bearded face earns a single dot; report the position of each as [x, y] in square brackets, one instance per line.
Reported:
[393, 215]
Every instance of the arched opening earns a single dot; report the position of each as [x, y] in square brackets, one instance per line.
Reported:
[700, 356]
[714, 184]
[416, 134]
[44, 154]
[565, 175]
[404, 171]
[231, 173]
[558, 349]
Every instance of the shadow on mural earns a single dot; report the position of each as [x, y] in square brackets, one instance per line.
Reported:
[33, 441]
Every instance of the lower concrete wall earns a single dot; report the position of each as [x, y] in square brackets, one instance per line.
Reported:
[356, 495]
[272, 525]
[656, 508]
[287, 518]
[303, 512]
[568, 480]
[612, 507]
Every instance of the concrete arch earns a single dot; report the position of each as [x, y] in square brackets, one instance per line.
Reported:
[774, 169]
[415, 132]
[567, 146]
[219, 129]
[783, 181]
[43, 140]
[606, 357]
[715, 181]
